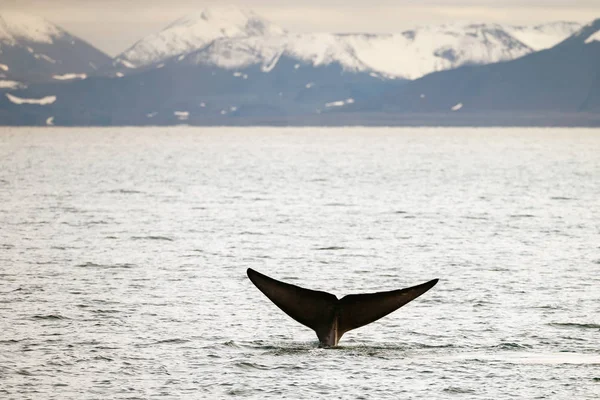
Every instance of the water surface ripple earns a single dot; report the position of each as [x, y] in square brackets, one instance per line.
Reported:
[123, 254]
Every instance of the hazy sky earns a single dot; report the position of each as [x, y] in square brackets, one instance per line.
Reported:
[114, 25]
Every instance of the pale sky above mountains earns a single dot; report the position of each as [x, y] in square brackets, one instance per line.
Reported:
[114, 25]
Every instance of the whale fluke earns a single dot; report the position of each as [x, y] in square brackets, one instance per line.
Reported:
[329, 316]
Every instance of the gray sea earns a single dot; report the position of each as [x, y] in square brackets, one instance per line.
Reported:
[123, 257]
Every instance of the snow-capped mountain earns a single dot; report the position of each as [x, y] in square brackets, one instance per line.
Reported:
[196, 31]
[561, 79]
[33, 50]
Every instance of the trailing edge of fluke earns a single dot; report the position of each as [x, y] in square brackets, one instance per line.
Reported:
[329, 316]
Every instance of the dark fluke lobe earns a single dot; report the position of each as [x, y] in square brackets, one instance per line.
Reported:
[329, 316]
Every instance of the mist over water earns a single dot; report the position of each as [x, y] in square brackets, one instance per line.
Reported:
[123, 254]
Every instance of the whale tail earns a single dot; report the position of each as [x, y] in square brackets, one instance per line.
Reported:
[329, 316]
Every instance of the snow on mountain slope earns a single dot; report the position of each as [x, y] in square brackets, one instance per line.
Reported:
[589, 33]
[544, 36]
[417, 52]
[193, 32]
[33, 49]
[16, 27]
[407, 55]
[593, 38]
[314, 49]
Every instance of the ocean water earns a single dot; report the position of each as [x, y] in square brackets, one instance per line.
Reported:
[123, 257]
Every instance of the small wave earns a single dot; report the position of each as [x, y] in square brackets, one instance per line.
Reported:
[576, 339]
[98, 222]
[290, 351]
[379, 348]
[103, 358]
[286, 348]
[548, 307]
[125, 265]
[125, 191]
[458, 390]
[94, 265]
[161, 342]
[476, 217]
[172, 341]
[24, 372]
[49, 317]
[237, 392]
[522, 216]
[250, 365]
[6, 246]
[10, 291]
[44, 263]
[260, 344]
[73, 210]
[433, 346]
[560, 198]
[89, 265]
[330, 248]
[168, 239]
[574, 325]
[9, 341]
[100, 311]
[511, 346]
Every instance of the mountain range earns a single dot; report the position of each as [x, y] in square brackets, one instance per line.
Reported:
[231, 38]
[231, 66]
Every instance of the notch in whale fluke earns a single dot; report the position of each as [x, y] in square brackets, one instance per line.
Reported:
[329, 316]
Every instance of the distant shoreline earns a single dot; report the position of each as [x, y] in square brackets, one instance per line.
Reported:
[336, 119]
